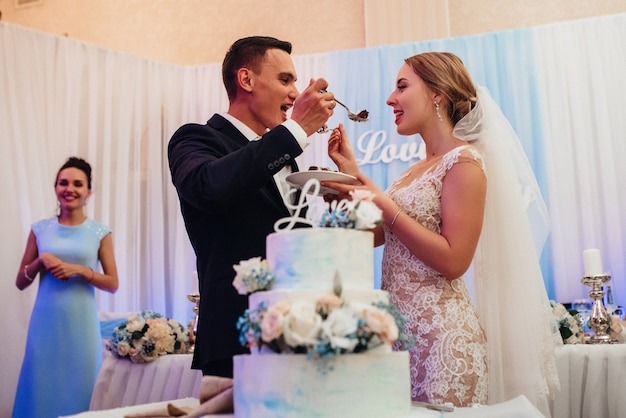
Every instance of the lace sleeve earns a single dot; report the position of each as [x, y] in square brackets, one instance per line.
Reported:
[465, 154]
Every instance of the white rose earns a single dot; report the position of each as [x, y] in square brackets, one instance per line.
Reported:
[246, 271]
[340, 329]
[559, 310]
[135, 323]
[366, 215]
[302, 325]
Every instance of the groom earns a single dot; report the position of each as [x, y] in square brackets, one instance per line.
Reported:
[229, 175]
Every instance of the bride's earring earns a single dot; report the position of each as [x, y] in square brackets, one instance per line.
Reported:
[438, 113]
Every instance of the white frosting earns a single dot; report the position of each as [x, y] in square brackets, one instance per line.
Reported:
[270, 297]
[351, 385]
[305, 263]
[309, 258]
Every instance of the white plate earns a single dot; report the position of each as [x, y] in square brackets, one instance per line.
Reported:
[299, 178]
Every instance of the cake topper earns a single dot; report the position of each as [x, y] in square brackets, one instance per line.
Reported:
[358, 213]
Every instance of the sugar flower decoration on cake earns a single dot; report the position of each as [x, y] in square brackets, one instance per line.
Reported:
[252, 275]
[148, 335]
[569, 323]
[322, 328]
[359, 213]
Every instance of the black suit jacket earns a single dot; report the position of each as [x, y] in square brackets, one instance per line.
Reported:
[229, 202]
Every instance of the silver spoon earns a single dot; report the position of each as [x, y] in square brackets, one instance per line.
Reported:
[362, 116]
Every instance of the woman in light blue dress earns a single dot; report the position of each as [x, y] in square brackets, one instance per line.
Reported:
[63, 348]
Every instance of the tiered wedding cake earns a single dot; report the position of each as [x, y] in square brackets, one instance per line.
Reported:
[321, 336]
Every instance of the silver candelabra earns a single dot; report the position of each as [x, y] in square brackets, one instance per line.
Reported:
[599, 321]
[193, 324]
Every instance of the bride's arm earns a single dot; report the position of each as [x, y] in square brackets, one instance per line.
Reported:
[462, 208]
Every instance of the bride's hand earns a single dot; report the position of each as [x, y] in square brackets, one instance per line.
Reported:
[331, 197]
[340, 151]
[345, 189]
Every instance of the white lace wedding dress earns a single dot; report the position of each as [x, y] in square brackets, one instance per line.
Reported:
[449, 359]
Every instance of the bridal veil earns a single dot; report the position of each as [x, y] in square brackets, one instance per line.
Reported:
[511, 298]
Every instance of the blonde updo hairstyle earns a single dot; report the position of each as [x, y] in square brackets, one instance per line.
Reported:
[445, 74]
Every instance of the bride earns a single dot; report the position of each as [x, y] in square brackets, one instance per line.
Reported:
[472, 199]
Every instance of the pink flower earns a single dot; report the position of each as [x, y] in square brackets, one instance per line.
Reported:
[273, 322]
[327, 303]
[123, 349]
[382, 323]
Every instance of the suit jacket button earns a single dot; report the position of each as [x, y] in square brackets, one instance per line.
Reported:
[270, 166]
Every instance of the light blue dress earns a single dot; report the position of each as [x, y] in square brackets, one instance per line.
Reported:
[63, 349]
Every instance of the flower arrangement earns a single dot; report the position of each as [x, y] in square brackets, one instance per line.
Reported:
[359, 213]
[569, 323]
[324, 328]
[252, 275]
[148, 335]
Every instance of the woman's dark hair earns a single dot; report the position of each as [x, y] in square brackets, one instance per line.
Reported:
[247, 52]
[79, 163]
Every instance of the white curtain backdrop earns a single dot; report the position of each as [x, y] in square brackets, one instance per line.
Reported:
[561, 85]
[583, 94]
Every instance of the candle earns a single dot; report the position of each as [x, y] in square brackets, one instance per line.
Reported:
[592, 262]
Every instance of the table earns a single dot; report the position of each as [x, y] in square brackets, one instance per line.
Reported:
[593, 379]
[519, 407]
[123, 383]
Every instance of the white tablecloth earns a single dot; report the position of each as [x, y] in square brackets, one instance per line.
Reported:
[123, 383]
[593, 381]
[519, 407]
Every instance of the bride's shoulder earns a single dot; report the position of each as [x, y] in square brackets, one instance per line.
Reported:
[467, 150]
[464, 153]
